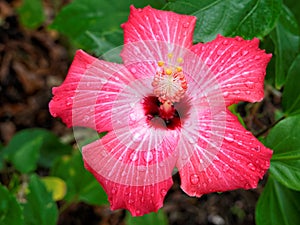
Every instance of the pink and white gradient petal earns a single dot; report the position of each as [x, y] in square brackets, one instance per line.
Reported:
[86, 96]
[241, 161]
[239, 66]
[151, 24]
[135, 173]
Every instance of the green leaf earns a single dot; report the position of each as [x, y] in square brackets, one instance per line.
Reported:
[158, 218]
[10, 210]
[94, 25]
[37, 146]
[23, 152]
[277, 205]
[249, 18]
[294, 6]
[286, 39]
[40, 209]
[81, 185]
[31, 13]
[285, 163]
[291, 92]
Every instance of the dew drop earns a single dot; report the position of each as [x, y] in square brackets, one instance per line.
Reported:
[245, 52]
[240, 64]
[225, 93]
[208, 62]
[229, 137]
[136, 137]
[163, 192]
[194, 179]
[138, 212]
[148, 156]
[257, 57]
[236, 92]
[133, 70]
[201, 161]
[257, 149]
[186, 25]
[132, 117]
[225, 42]
[133, 156]
[192, 139]
[225, 168]
[249, 84]
[219, 52]
[114, 191]
[233, 54]
[251, 166]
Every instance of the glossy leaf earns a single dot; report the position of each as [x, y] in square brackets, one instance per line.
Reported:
[40, 209]
[286, 39]
[94, 25]
[294, 6]
[80, 183]
[23, 152]
[38, 145]
[291, 92]
[250, 18]
[56, 186]
[32, 13]
[277, 205]
[284, 140]
[10, 210]
[148, 219]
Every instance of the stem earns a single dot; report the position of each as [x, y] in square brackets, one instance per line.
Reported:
[269, 127]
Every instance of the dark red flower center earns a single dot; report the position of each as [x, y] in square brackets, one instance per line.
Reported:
[165, 115]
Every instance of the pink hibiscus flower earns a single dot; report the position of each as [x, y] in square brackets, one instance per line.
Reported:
[165, 107]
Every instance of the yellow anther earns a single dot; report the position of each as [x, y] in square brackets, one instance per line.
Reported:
[179, 60]
[160, 63]
[170, 55]
[178, 68]
[169, 71]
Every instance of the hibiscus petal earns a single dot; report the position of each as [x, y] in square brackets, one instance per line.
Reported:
[152, 24]
[135, 170]
[239, 162]
[239, 66]
[86, 96]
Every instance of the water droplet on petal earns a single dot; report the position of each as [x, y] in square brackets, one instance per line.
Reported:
[220, 52]
[133, 156]
[257, 57]
[133, 70]
[163, 192]
[194, 179]
[186, 25]
[240, 64]
[225, 93]
[114, 191]
[244, 52]
[233, 54]
[249, 84]
[136, 137]
[229, 137]
[148, 156]
[132, 116]
[251, 166]
[192, 139]
[236, 92]
[225, 168]
[138, 212]
[257, 149]
[225, 42]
